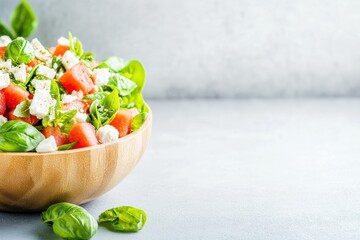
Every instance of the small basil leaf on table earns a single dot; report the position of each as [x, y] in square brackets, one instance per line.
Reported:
[123, 219]
[19, 51]
[23, 19]
[70, 221]
[19, 136]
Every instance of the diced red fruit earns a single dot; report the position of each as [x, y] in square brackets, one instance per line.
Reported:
[14, 95]
[2, 52]
[60, 138]
[77, 79]
[2, 103]
[30, 119]
[33, 63]
[60, 50]
[122, 121]
[84, 134]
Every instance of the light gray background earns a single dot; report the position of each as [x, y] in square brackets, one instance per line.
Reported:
[214, 48]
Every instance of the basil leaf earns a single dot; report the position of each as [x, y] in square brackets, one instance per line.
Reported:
[23, 19]
[115, 64]
[4, 30]
[138, 121]
[122, 84]
[70, 221]
[103, 111]
[97, 95]
[31, 75]
[135, 72]
[23, 109]
[65, 129]
[75, 45]
[65, 117]
[19, 51]
[19, 136]
[124, 219]
[67, 146]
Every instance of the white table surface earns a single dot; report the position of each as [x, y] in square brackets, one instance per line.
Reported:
[246, 169]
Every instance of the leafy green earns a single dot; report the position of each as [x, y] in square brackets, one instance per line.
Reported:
[122, 84]
[67, 146]
[19, 51]
[4, 30]
[124, 219]
[23, 19]
[97, 95]
[138, 121]
[75, 45]
[23, 109]
[103, 111]
[19, 136]
[31, 75]
[135, 72]
[70, 221]
[115, 64]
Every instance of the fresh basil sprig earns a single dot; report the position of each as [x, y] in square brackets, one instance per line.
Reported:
[23, 21]
[19, 51]
[123, 219]
[19, 136]
[103, 111]
[70, 221]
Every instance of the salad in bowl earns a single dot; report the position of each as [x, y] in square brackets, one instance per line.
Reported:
[61, 98]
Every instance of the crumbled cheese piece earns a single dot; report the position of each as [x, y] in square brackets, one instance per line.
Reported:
[40, 52]
[66, 98]
[3, 120]
[4, 80]
[42, 100]
[63, 41]
[41, 84]
[79, 95]
[45, 71]
[4, 41]
[69, 60]
[80, 117]
[19, 72]
[101, 76]
[107, 134]
[47, 145]
[5, 65]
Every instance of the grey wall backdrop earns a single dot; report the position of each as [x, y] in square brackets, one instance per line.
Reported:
[214, 48]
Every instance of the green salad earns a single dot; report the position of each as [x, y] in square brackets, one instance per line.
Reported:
[60, 98]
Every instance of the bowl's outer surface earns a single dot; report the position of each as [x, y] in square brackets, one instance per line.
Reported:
[32, 181]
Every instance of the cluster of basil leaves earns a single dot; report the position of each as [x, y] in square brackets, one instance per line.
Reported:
[23, 22]
[70, 221]
[123, 90]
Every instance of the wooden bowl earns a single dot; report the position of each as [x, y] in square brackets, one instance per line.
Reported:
[32, 181]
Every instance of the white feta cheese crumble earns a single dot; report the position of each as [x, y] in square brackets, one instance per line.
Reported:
[107, 134]
[46, 71]
[3, 120]
[4, 41]
[41, 84]
[66, 98]
[42, 100]
[40, 52]
[69, 60]
[19, 72]
[47, 145]
[80, 117]
[4, 80]
[5, 65]
[101, 76]
[63, 41]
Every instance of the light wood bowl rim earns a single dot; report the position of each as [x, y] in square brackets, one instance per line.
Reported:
[103, 145]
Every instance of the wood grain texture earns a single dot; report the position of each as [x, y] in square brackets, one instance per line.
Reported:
[33, 181]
